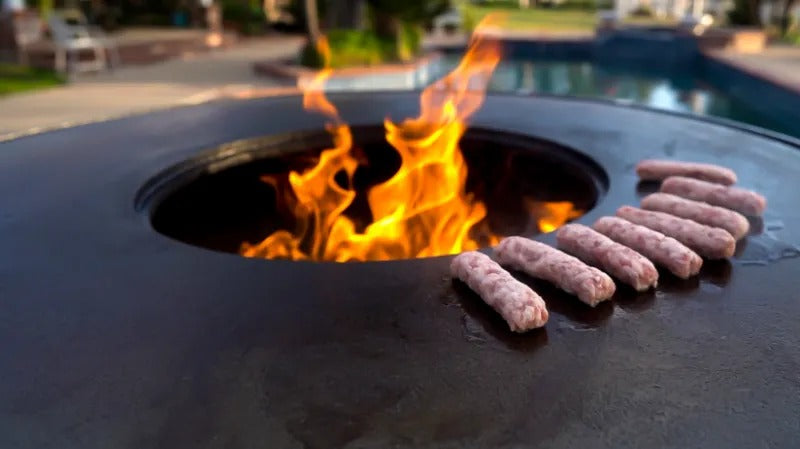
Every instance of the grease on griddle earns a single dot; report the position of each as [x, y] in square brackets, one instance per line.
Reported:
[644, 188]
[766, 247]
[630, 300]
[717, 272]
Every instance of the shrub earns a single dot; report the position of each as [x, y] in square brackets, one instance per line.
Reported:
[504, 4]
[247, 17]
[352, 48]
[642, 11]
[310, 57]
[580, 5]
[394, 33]
[605, 4]
[468, 20]
[410, 41]
[421, 12]
[792, 37]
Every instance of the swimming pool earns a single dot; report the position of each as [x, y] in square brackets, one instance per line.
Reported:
[680, 89]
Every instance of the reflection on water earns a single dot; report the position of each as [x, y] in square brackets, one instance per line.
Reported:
[675, 89]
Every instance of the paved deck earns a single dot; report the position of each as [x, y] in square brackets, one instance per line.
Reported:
[199, 77]
[460, 39]
[779, 64]
[140, 45]
[138, 89]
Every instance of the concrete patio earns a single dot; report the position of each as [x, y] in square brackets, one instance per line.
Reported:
[193, 78]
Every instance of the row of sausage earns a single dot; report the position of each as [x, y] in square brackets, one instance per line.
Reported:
[697, 214]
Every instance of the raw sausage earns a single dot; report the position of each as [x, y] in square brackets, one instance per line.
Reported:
[522, 308]
[600, 251]
[659, 169]
[704, 213]
[663, 250]
[589, 284]
[713, 243]
[740, 200]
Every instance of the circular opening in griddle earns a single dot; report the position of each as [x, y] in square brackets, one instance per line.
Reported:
[239, 193]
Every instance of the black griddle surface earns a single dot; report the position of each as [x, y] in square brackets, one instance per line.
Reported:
[114, 336]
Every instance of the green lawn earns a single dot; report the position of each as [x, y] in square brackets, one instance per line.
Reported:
[549, 19]
[793, 37]
[16, 78]
[541, 19]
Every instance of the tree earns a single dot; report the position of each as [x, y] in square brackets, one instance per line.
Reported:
[399, 21]
[419, 12]
[296, 9]
[394, 30]
[271, 11]
[393, 18]
[312, 20]
[347, 14]
[745, 12]
[786, 15]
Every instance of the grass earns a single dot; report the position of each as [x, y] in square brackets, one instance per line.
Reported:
[793, 37]
[549, 19]
[537, 18]
[16, 78]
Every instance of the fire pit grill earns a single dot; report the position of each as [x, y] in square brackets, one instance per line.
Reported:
[217, 200]
[114, 335]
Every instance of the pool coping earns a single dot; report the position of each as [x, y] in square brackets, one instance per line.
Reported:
[763, 75]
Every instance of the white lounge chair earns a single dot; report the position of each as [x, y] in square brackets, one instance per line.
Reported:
[76, 18]
[71, 35]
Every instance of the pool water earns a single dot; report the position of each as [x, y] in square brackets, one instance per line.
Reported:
[676, 90]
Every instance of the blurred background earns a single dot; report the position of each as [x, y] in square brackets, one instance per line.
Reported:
[66, 62]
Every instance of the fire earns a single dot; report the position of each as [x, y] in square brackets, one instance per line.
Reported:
[423, 209]
[552, 214]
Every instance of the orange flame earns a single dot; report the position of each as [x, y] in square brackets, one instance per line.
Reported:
[553, 214]
[424, 209]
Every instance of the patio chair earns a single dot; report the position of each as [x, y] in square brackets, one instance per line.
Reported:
[76, 18]
[71, 36]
